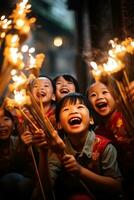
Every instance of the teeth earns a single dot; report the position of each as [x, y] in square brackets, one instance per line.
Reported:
[74, 121]
[102, 104]
[64, 90]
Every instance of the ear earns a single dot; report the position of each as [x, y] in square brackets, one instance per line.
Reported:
[91, 120]
[53, 97]
[13, 127]
[59, 126]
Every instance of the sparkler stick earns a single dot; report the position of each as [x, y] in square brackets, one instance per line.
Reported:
[32, 154]
[49, 125]
[46, 125]
[26, 116]
[35, 164]
[126, 77]
[45, 121]
[125, 106]
[37, 172]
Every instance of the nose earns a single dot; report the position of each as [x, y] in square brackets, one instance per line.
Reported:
[64, 83]
[1, 123]
[99, 96]
[41, 88]
[73, 109]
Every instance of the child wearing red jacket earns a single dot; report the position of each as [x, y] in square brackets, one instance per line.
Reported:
[111, 123]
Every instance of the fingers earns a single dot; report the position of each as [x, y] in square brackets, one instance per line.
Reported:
[26, 137]
[70, 164]
[56, 143]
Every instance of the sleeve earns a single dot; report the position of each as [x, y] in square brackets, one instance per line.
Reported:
[109, 162]
[55, 167]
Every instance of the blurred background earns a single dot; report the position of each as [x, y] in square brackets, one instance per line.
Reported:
[66, 29]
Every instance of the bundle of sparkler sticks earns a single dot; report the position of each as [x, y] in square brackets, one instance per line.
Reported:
[14, 31]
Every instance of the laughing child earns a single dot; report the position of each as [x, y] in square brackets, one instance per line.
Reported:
[111, 123]
[88, 169]
[65, 84]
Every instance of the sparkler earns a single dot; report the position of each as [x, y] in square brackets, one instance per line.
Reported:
[13, 32]
[114, 70]
[20, 99]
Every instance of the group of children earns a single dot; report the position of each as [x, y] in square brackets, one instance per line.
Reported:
[77, 163]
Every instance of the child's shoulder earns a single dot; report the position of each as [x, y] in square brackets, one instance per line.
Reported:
[100, 143]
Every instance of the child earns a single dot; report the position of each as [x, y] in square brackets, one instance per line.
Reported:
[17, 176]
[112, 124]
[43, 89]
[65, 84]
[88, 168]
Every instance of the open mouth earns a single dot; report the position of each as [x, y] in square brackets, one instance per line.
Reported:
[101, 105]
[75, 121]
[64, 91]
[3, 131]
[42, 94]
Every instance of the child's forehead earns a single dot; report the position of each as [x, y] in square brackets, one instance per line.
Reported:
[42, 80]
[60, 78]
[69, 102]
[2, 112]
[97, 85]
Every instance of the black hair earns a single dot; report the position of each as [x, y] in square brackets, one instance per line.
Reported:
[72, 98]
[8, 114]
[70, 78]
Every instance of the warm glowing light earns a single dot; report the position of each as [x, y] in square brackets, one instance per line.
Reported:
[15, 38]
[113, 65]
[20, 97]
[24, 48]
[94, 65]
[3, 17]
[32, 50]
[2, 34]
[19, 79]
[96, 71]
[13, 72]
[58, 41]
[20, 22]
[32, 61]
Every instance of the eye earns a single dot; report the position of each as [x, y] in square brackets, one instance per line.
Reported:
[81, 106]
[69, 82]
[58, 83]
[35, 86]
[92, 95]
[65, 109]
[46, 85]
[7, 118]
[105, 92]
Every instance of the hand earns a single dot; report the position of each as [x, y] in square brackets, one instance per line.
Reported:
[70, 164]
[38, 138]
[26, 137]
[56, 143]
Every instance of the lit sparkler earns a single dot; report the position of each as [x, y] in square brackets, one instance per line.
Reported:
[115, 69]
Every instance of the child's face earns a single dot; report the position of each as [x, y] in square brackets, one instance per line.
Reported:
[101, 99]
[6, 126]
[63, 87]
[74, 119]
[43, 89]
